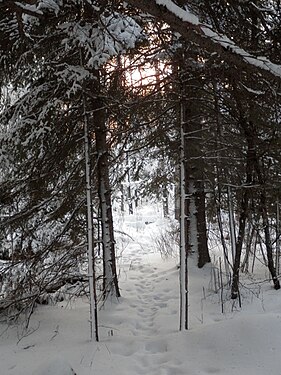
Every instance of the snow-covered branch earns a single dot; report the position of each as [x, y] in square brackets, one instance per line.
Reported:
[189, 26]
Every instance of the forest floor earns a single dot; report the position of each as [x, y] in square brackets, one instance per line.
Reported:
[139, 334]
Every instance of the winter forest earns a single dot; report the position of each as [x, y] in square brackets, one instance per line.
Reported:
[140, 187]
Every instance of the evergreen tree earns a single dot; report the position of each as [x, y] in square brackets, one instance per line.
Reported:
[43, 188]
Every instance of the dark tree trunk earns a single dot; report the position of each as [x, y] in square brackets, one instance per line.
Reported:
[104, 193]
[109, 261]
[203, 251]
[194, 175]
[268, 243]
[244, 210]
[249, 242]
[239, 244]
[165, 202]
[129, 192]
[177, 197]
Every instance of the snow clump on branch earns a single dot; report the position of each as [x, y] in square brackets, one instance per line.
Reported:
[111, 35]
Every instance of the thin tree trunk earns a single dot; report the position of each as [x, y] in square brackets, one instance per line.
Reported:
[268, 243]
[249, 241]
[91, 257]
[90, 234]
[192, 233]
[231, 223]
[261, 248]
[255, 251]
[225, 250]
[122, 204]
[104, 191]
[218, 141]
[243, 213]
[129, 192]
[203, 251]
[183, 236]
[177, 196]
[165, 202]
[277, 262]
[239, 244]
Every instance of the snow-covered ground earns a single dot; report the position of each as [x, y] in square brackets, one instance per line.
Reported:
[139, 334]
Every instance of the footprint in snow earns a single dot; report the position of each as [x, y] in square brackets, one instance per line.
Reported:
[212, 370]
[156, 347]
[162, 304]
[55, 367]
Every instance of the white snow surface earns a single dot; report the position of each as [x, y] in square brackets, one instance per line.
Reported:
[56, 366]
[139, 334]
[183, 14]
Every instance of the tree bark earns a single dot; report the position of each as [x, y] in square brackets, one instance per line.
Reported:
[104, 191]
[268, 243]
[243, 212]
[194, 171]
[90, 228]
[184, 229]
[239, 243]
[203, 251]
[110, 284]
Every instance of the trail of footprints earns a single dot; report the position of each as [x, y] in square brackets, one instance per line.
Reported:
[149, 347]
[148, 301]
[153, 359]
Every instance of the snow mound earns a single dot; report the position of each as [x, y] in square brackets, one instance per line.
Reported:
[55, 367]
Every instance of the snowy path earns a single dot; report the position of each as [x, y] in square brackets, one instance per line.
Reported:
[148, 302]
[151, 301]
[139, 335]
[150, 305]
